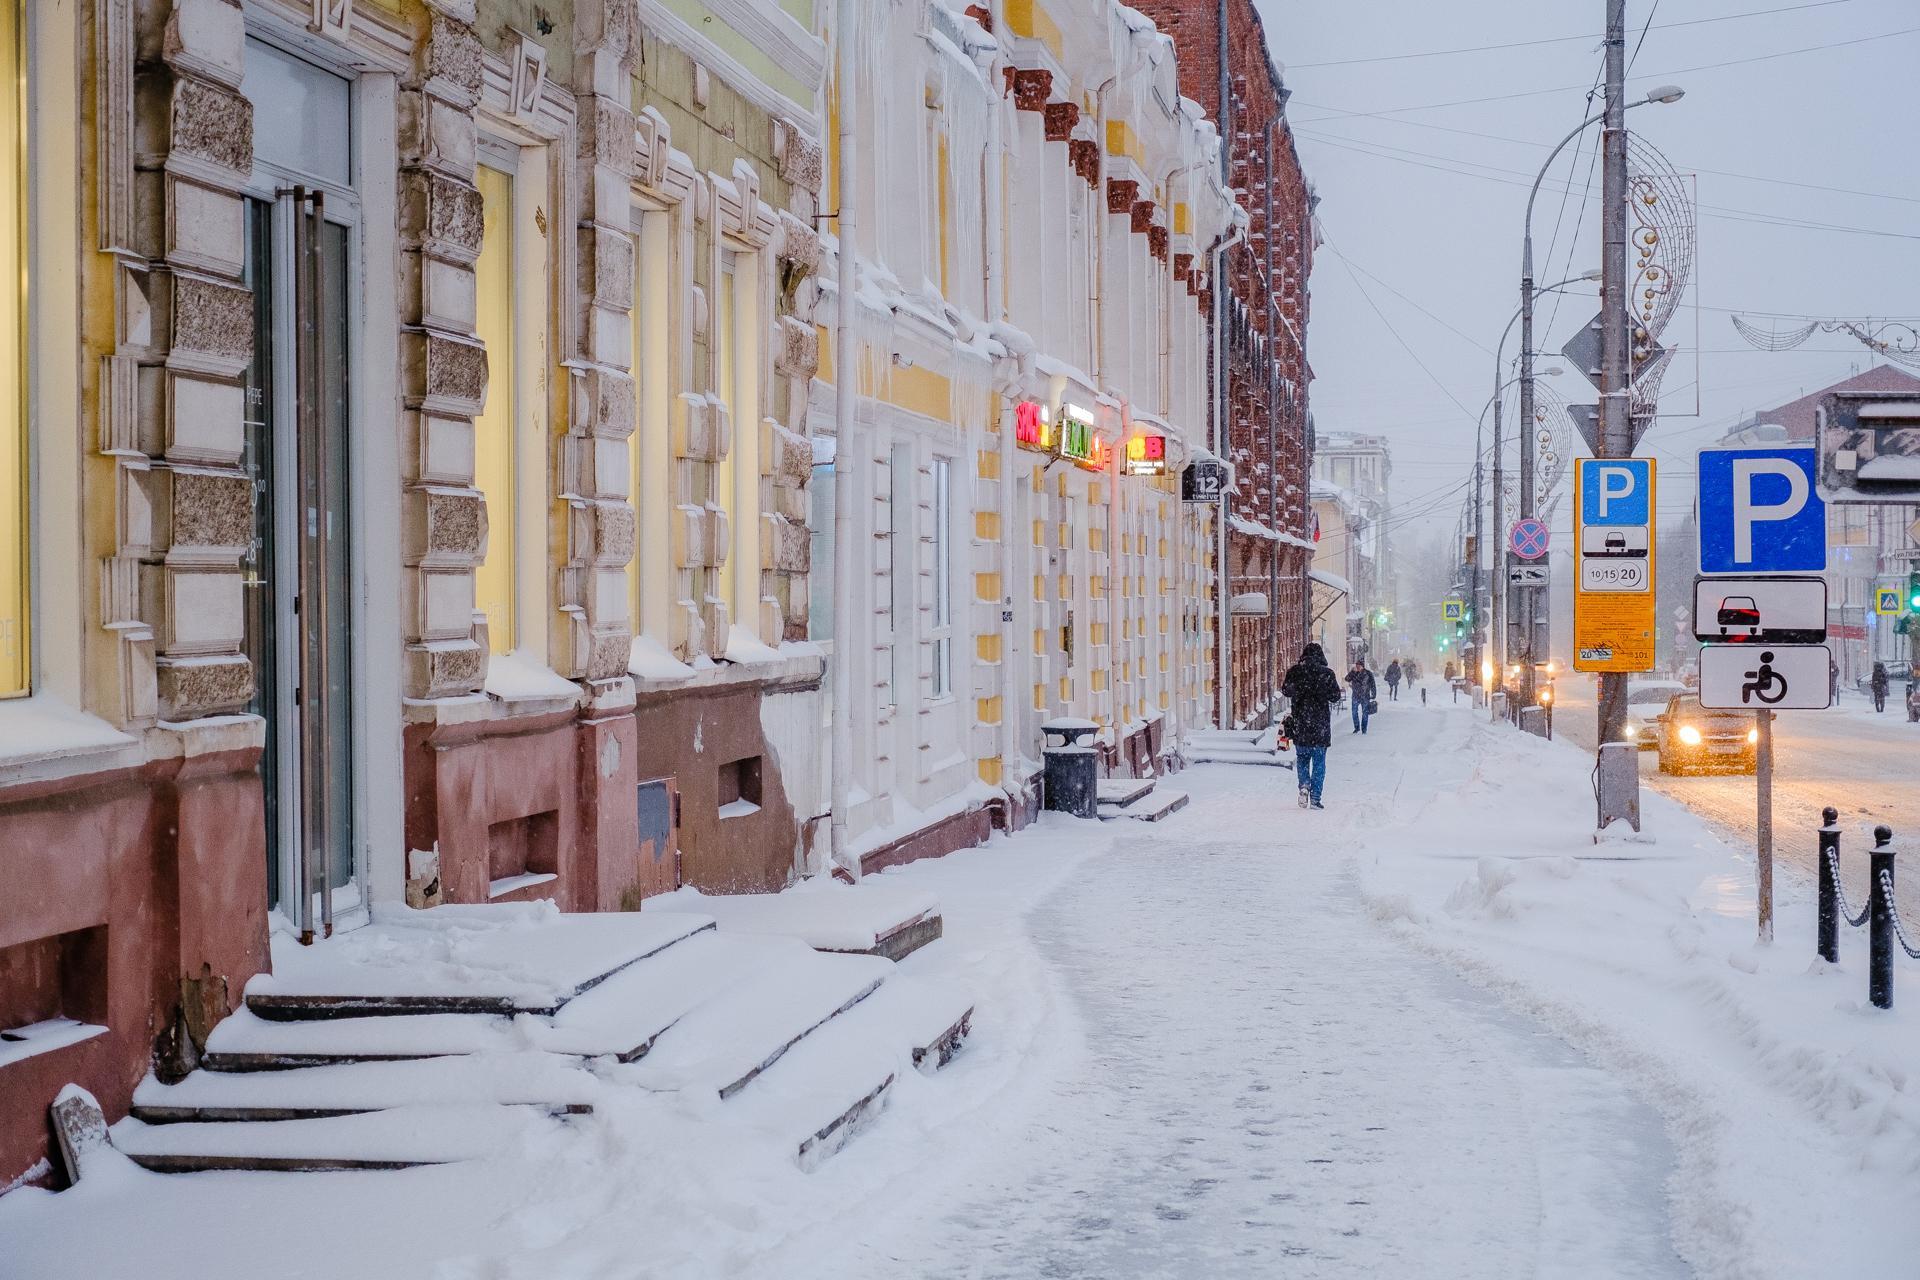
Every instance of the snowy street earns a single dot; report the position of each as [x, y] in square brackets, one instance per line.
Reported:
[1431, 1031]
[1268, 1083]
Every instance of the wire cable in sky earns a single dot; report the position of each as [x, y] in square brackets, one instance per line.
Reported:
[1411, 353]
[1652, 75]
[1528, 44]
[1447, 325]
[1648, 26]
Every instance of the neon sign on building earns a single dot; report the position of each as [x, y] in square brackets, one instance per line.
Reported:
[1031, 428]
[1147, 455]
[1080, 440]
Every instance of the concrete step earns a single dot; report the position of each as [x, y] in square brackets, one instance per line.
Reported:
[526, 1079]
[723, 1043]
[245, 1041]
[487, 960]
[863, 919]
[927, 1018]
[1233, 755]
[625, 1015]
[1152, 809]
[1123, 790]
[394, 1139]
[1225, 737]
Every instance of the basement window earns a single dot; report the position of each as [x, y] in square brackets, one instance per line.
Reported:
[739, 787]
[52, 993]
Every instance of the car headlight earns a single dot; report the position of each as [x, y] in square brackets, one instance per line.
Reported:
[1689, 735]
[1753, 735]
[1631, 731]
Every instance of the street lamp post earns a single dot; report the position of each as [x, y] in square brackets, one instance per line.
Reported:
[1529, 598]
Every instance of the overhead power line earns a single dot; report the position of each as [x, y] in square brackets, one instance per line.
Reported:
[1530, 44]
[1651, 75]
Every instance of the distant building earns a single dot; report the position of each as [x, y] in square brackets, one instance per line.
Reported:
[1351, 478]
[1868, 546]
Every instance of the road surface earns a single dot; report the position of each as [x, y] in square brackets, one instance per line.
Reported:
[1865, 765]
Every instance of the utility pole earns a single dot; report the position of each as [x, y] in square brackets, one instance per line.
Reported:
[1497, 581]
[1616, 406]
[1526, 598]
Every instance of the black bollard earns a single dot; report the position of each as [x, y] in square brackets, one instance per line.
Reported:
[1829, 940]
[1880, 921]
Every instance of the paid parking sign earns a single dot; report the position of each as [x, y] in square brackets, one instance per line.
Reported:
[1759, 511]
[1613, 592]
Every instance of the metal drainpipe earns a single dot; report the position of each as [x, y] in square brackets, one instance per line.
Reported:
[845, 375]
[1223, 641]
[996, 311]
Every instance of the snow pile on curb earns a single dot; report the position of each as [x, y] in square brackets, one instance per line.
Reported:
[1791, 1101]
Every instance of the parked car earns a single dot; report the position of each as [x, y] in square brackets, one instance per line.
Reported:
[1694, 739]
[1646, 699]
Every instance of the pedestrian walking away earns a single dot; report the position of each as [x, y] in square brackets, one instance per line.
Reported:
[1393, 680]
[1879, 682]
[1365, 694]
[1311, 689]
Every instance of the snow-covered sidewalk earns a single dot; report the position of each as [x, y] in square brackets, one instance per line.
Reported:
[1433, 1031]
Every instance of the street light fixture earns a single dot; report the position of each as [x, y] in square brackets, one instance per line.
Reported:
[1662, 94]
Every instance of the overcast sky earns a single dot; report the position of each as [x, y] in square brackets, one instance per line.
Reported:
[1422, 203]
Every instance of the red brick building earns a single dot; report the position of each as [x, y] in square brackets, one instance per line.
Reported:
[1270, 435]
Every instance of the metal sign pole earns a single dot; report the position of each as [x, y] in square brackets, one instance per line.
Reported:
[1763, 791]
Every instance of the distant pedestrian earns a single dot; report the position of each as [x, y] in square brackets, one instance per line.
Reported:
[1365, 691]
[1311, 689]
[1833, 680]
[1450, 672]
[1393, 680]
[1879, 683]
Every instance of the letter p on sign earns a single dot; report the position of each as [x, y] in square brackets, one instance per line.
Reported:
[1747, 512]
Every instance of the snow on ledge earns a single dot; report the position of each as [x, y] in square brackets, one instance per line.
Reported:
[43, 727]
[514, 678]
[650, 660]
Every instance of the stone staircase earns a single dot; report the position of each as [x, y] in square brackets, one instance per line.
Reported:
[467, 1032]
[1140, 798]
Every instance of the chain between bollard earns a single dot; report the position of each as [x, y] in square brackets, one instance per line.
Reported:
[1847, 914]
[1893, 915]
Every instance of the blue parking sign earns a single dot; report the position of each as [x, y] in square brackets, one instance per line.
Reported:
[1760, 511]
[1614, 491]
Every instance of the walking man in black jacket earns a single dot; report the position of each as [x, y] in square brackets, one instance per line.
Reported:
[1311, 689]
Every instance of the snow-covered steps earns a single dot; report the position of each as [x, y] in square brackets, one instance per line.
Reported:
[1227, 737]
[1122, 791]
[626, 1014]
[246, 1042]
[554, 1084]
[865, 919]
[723, 1043]
[926, 1017]
[487, 960]
[396, 1139]
[1148, 809]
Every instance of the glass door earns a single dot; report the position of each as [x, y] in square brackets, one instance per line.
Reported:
[299, 569]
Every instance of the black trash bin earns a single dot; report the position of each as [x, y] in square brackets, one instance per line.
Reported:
[1071, 781]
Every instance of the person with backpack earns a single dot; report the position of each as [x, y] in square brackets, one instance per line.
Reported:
[1393, 680]
[1365, 692]
[1311, 689]
[1878, 684]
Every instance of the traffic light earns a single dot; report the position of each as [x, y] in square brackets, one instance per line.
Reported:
[1913, 591]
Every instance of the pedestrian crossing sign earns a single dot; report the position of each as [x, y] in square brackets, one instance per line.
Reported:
[1886, 600]
[1453, 610]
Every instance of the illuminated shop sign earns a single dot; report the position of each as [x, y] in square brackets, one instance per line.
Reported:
[1146, 455]
[1031, 428]
[1080, 440]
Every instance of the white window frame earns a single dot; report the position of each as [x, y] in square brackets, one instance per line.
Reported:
[940, 616]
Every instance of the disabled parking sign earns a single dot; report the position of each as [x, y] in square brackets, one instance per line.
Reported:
[1775, 677]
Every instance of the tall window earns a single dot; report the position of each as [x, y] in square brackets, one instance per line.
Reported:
[820, 497]
[899, 534]
[493, 431]
[654, 290]
[726, 341]
[13, 381]
[942, 578]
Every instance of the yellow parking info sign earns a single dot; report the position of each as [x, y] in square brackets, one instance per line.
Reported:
[1613, 584]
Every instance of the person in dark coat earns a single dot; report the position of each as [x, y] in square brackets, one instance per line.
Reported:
[1393, 680]
[1365, 691]
[1879, 682]
[1311, 689]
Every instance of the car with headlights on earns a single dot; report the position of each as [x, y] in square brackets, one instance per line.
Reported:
[1646, 699]
[1695, 739]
